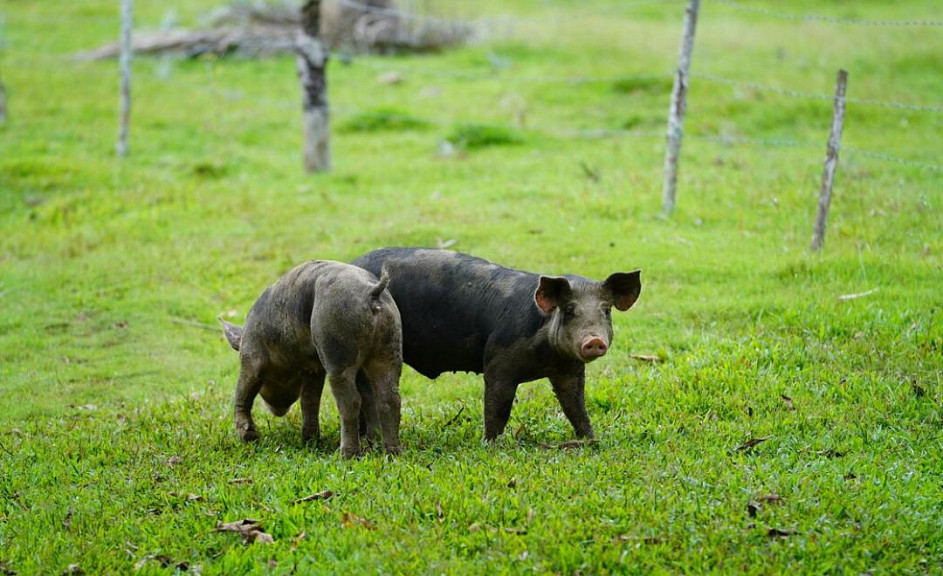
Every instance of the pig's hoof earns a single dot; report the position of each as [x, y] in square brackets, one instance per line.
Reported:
[349, 453]
[392, 450]
[313, 438]
[249, 435]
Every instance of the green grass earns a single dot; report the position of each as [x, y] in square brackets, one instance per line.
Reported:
[116, 385]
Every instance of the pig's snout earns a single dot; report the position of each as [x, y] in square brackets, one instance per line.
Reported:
[593, 347]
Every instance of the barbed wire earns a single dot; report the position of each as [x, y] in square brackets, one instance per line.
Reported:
[602, 11]
[772, 143]
[828, 19]
[816, 96]
[895, 159]
[498, 74]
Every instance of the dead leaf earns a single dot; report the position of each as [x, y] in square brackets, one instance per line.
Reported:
[647, 358]
[512, 483]
[749, 444]
[174, 460]
[771, 498]
[248, 528]
[6, 571]
[575, 444]
[443, 244]
[67, 522]
[390, 78]
[439, 514]
[190, 496]
[474, 527]
[919, 390]
[789, 405]
[86, 407]
[516, 531]
[779, 533]
[349, 520]
[322, 495]
[752, 509]
[849, 476]
[830, 453]
[633, 538]
[531, 514]
[240, 481]
[73, 569]
[296, 541]
[567, 445]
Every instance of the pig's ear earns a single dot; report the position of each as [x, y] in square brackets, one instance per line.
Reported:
[551, 292]
[624, 288]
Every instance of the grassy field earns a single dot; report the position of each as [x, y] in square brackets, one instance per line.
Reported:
[117, 452]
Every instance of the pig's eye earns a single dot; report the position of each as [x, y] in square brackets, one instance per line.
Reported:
[569, 312]
[607, 310]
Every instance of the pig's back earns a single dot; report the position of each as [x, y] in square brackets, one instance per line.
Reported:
[451, 304]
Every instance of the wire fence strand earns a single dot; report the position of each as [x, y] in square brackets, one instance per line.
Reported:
[829, 19]
[817, 96]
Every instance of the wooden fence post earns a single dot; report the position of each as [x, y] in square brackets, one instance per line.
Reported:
[678, 103]
[311, 60]
[3, 103]
[125, 65]
[831, 161]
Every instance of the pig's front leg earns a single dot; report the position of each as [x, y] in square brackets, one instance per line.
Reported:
[570, 392]
[499, 397]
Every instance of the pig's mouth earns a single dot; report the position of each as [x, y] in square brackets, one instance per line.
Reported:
[593, 347]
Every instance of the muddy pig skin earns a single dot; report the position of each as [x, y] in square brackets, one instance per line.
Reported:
[462, 313]
[320, 319]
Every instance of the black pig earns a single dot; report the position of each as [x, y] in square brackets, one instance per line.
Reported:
[322, 318]
[462, 313]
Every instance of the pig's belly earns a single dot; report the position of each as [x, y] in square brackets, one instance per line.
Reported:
[432, 354]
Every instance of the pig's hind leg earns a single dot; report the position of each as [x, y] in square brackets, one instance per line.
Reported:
[499, 398]
[310, 407]
[382, 377]
[344, 389]
[369, 423]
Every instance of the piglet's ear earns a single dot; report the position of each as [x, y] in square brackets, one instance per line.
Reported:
[624, 288]
[551, 292]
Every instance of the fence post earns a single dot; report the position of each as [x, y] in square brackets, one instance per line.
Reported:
[831, 161]
[678, 103]
[311, 60]
[3, 103]
[125, 65]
